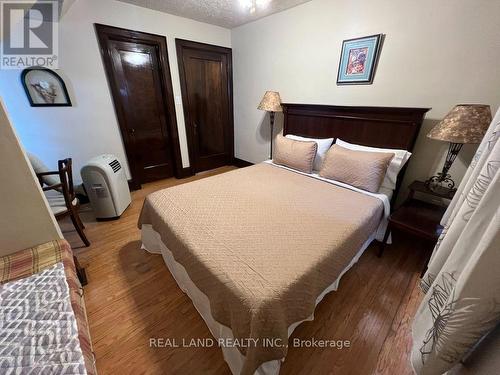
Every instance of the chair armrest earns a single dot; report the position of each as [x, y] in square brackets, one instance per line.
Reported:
[52, 187]
[41, 174]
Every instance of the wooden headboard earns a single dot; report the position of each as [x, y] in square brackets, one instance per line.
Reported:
[388, 127]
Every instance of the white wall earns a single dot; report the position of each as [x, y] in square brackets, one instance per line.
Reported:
[25, 219]
[90, 127]
[436, 54]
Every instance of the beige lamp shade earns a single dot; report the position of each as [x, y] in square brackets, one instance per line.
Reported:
[466, 123]
[271, 102]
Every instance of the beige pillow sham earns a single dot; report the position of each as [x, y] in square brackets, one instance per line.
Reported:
[362, 169]
[294, 154]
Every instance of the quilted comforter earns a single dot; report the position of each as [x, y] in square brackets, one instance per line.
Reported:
[262, 243]
[43, 327]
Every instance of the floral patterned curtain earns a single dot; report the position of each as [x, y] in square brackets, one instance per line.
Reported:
[462, 284]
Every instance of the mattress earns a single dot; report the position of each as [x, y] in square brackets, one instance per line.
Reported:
[43, 326]
[262, 243]
[152, 243]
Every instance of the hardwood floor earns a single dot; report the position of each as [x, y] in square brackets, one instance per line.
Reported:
[131, 297]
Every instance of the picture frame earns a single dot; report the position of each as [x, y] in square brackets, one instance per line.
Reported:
[45, 88]
[359, 59]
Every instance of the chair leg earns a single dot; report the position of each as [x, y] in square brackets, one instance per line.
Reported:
[384, 241]
[79, 227]
[80, 272]
[77, 216]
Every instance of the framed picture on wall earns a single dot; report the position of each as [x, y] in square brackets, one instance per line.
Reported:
[358, 60]
[44, 88]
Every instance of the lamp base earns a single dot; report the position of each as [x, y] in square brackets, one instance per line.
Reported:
[442, 181]
[271, 117]
[441, 184]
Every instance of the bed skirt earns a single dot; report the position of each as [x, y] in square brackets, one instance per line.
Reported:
[152, 243]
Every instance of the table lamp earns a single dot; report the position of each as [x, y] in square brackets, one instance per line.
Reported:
[466, 123]
[271, 102]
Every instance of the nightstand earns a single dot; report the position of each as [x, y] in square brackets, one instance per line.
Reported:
[418, 217]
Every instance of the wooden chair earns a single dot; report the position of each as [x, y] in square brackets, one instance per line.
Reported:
[61, 196]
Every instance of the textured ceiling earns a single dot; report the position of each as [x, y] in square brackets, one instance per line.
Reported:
[225, 13]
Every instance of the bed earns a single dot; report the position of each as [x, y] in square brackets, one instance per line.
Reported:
[43, 324]
[256, 249]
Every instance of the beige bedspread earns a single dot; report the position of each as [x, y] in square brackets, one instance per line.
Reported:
[262, 243]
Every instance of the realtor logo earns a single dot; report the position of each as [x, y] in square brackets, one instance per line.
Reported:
[29, 31]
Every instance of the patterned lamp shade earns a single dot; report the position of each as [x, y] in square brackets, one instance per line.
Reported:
[466, 123]
[271, 102]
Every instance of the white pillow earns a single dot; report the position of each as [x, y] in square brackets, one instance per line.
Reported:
[398, 161]
[324, 145]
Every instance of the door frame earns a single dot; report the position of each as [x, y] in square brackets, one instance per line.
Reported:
[104, 33]
[181, 45]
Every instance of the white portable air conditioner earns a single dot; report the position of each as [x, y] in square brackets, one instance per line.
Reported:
[106, 185]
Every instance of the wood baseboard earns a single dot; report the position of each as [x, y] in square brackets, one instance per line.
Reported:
[133, 186]
[240, 163]
[185, 172]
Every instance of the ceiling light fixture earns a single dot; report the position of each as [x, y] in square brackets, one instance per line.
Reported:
[253, 5]
[262, 3]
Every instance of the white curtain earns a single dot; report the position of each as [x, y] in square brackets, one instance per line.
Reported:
[462, 284]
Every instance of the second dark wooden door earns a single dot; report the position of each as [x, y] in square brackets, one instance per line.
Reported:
[136, 74]
[206, 82]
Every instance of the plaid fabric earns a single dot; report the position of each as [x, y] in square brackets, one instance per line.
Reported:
[27, 262]
[30, 261]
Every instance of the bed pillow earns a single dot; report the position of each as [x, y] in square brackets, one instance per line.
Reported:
[398, 162]
[362, 169]
[297, 155]
[324, 145]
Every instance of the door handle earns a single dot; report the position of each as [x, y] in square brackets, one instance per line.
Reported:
[131, 131]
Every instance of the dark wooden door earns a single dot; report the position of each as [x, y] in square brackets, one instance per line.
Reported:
[137, 72]
[206, 83]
